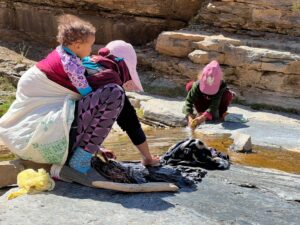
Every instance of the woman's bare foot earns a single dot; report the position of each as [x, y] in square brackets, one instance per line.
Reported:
[153, 161]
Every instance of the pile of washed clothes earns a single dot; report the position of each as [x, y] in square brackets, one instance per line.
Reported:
[182, 164]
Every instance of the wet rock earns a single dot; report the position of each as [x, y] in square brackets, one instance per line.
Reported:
[241, 143]
[266, 128]
[274, 198]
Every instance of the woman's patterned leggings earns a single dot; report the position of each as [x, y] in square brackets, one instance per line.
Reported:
[96, 113]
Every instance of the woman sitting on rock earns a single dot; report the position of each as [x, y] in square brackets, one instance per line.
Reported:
[209, 95]
[55, 93]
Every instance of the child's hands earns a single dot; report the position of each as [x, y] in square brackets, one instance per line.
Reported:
[190, 120]
[197, 121]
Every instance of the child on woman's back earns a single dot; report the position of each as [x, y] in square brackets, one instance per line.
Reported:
[64, 67]
[209, 95]
[116, 63]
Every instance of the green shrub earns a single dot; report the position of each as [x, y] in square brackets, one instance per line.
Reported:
[8, 96]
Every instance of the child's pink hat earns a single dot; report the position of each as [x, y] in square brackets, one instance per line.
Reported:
[126, 51]
[210, 78]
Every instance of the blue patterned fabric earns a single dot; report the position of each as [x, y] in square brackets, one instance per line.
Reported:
[89, 64]
[81, 160]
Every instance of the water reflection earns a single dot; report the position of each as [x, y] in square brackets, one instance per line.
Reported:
[161, 139]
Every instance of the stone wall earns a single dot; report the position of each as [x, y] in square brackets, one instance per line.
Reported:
[258, 73]
[136, 21]
[255, 41]
[278, 16]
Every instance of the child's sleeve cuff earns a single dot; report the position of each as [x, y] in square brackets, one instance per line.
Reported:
[207, 115]
[85, 91]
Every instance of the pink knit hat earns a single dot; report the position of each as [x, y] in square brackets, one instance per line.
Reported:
[126, 51]
[210, 78]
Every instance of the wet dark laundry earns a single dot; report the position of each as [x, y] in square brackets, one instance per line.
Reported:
[194, 153]
[180, 165]
[120, 172]
[132, 172]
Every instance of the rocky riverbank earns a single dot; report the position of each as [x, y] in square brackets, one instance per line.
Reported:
[240, 195]
[257, 44]
[267, 128]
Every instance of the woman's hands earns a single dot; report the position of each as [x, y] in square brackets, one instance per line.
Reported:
[147, 158]
[153, 161]
[107, 154]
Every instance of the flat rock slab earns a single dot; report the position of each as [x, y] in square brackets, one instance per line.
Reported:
[240, 195]
[167, 111]
[266, 128]
[164, 111]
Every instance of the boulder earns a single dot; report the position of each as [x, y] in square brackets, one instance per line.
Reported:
[203, 57]
[241, 143]
[178, 44]
[165, 112]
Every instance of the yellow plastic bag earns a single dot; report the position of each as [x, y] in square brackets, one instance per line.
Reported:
[30, 181]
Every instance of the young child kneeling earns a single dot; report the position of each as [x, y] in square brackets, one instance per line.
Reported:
[209, 95]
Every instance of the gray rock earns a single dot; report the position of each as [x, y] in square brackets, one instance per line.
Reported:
[165, 111]
[22, 72]
[157, 83]
[135, 102]
[20, 67]
[139, 96]
[266, 128]
[241, 143]
[168, 112]
[240, 195]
